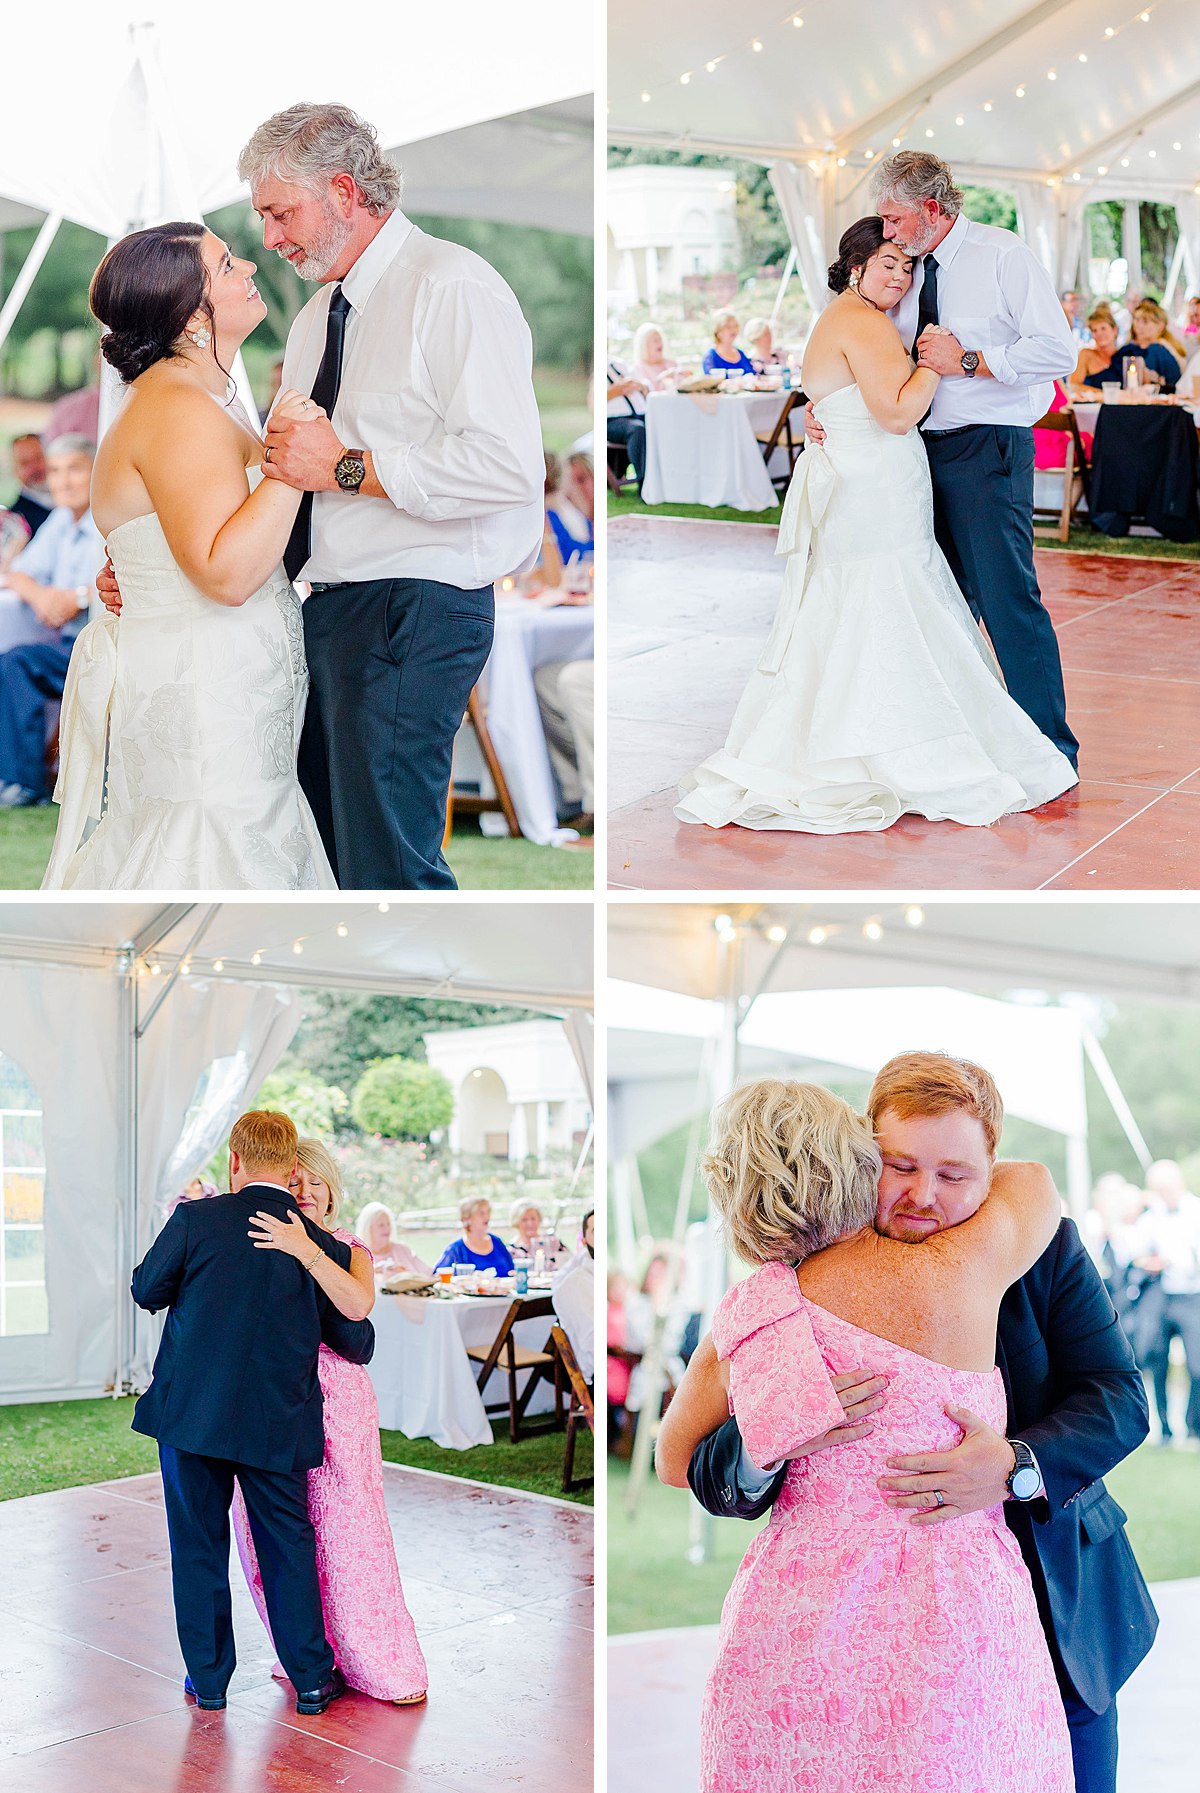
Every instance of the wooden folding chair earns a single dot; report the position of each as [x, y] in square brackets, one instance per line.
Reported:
[617, 464]
[473, 806]
[1076, 466]
[542, 1366]
[781, 436]
[580, 1407]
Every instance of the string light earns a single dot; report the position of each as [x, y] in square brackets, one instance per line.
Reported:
[384, 907]
[817, 936]
[256, 958]
[777, 934]
[185, 970]
[342, 930]
[156, 970]
[914, 915]
[872, 930]
[756, 46]
[218, 964]
[297, 947]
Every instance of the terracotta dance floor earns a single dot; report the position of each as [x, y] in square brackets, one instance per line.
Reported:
[690, 606]
[656, 1683]
[500, 1587]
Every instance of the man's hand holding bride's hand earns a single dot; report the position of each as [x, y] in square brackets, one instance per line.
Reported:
[939, 350]
[970, 1478]
[107, 587]
[861, 1394]
[290, 1235]
[301, 446]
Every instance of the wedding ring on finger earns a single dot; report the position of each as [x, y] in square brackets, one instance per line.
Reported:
[266, 454]
[939, 1497]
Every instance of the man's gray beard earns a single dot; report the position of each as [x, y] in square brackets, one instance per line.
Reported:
[918, 244]
[321, 255]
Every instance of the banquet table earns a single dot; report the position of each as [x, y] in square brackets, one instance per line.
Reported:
[703, 448]
[528, 635]
[423, 1379]
[1144, 464]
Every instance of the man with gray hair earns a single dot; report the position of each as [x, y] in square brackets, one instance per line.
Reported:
[44, 599]
[982, 312]
[421, 465]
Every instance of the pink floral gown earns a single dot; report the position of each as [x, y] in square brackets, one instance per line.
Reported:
[859, 1653]
[366, 1621]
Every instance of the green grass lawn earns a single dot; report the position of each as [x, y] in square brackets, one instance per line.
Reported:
[651, 1585]
[478, 862]
[64, 1444]
[1082, 540]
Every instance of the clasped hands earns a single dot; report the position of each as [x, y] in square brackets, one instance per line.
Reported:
[970, 1477]
[301, 447]
[52, 605]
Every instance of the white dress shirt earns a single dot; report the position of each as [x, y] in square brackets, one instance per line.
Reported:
[995, 295]
[1174, 1236]
[573, 1293]
[437, 383]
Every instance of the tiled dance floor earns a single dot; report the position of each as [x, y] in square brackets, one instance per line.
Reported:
[91, 1700]
[690, 606]
[656, 1682]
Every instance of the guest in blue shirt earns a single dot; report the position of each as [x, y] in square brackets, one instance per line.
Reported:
[477, 1248]
[49, 587]
[725, 356]
[1152, 343]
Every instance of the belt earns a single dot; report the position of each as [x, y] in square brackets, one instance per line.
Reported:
[327, 584]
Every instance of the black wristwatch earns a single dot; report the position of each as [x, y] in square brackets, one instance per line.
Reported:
[1024, 1478]
[351, 470]
[970, 362]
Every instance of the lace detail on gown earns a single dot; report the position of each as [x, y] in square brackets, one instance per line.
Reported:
[876, 694]
[179, 733]
[860, 1653]
[366, 1621]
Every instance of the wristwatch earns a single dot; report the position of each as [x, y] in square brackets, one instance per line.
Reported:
[970, 362]
[1024, 1480]
[351, 470]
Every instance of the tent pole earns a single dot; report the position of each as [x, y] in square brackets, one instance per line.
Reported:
[1113, 1091]
[206, 922]
[28, 273]
[1176, 266]
[126, 1231]
[789, 268]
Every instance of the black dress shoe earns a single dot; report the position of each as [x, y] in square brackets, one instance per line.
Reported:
[205, 1705]
[310, 1704]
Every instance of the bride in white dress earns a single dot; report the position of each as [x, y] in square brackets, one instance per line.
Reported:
[877, 694]
[180, 721]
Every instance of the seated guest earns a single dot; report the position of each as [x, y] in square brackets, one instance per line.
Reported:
[529, 1234]
[1153, 345]
[33, 502]
[477, 1249]
[1103, 345]
[627, 417]
[573, 1295]
[54, 581]
[566, 694]
[651, 362]
[725, 357]
[763, 352]
[390, 1256]
[1072, 311]
[46, 590]
[1189, 379]
[572, 526]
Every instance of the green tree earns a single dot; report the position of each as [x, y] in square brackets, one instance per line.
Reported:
[308, 1101]
[343, 1032]
[402, 1099]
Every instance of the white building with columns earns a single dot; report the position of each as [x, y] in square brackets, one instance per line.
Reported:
[517, 1089]
[664, 223]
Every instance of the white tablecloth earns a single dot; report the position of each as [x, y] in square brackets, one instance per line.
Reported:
[527, 636]
[702, 448]
[425, 1382]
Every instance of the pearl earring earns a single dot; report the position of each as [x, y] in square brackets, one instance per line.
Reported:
[854, 281]
[201, 338]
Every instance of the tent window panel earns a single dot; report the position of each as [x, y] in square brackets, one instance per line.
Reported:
[23, 1304]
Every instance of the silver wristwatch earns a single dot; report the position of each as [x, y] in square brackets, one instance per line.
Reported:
[1024, 1480]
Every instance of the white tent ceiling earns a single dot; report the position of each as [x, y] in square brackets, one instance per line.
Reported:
[1139, 952]
[143, 110]
[1065, 102]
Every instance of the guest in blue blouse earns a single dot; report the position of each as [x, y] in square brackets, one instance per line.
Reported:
[1152, 343]
[725, 357]
[570, 509]
[477, 1248]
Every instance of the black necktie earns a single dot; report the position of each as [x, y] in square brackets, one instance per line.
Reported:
[927, 307]
[324, 393]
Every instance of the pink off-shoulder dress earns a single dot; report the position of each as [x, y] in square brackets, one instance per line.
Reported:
[860, 1653]
[366, 1621]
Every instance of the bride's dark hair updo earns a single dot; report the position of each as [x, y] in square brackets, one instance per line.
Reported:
[855, 250]
[145, 290]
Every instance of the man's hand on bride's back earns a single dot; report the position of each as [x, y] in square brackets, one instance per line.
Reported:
[861, 1394]
[107, 588]
[813, 431]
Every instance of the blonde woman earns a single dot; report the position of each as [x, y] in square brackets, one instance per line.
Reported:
[763, 352]
[651, 363]
[858, 1648]
[1153, 343]
[376, 1224]
[1095, 356]
[478, 1248]
[367, 1623]
[725, 357]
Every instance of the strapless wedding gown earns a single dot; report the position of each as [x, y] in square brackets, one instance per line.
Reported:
[179, 729]
[877, 694]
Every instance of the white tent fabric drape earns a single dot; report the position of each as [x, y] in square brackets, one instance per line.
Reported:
[581, 1037]
[799, 194]
[241, 1031]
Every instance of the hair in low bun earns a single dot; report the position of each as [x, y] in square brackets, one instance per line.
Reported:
[856, 248]
[145, 290]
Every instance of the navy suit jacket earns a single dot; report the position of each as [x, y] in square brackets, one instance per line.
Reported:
[236, 1372]
[1077, 1400]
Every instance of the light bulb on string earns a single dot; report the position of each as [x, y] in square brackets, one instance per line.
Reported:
[218, 964]
[342, 930]
[777, 934]
[872, 930]
[987, 105]
[1083, 55]
[256, 958]
[297, 947]
[185, 970]
[818, 936]
[797, 21]
[1020, 93]
[756, 45]
[711, 67]
[645, 99]
[1051, 74]
[156, 970]
[384, 907]
[684, 79]
[914, 915]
